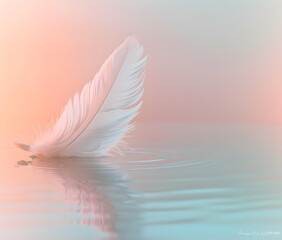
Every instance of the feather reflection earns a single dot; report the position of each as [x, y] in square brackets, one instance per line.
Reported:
[99, 192]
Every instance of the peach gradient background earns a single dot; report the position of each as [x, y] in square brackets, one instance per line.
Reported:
[209, 60]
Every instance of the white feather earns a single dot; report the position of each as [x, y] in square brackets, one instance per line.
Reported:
[97, 119]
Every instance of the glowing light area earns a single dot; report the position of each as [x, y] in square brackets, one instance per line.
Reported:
[209, 61]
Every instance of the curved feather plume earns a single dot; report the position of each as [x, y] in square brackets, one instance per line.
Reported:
[94, 121]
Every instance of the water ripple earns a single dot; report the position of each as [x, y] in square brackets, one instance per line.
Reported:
[131, 196]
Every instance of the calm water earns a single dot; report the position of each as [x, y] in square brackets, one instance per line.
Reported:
[179, 182]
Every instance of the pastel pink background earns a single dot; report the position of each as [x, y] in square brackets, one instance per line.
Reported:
[209, 61]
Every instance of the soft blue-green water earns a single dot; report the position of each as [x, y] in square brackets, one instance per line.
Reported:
[179, 182]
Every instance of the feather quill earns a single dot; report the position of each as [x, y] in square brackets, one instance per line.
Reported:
[94, 121]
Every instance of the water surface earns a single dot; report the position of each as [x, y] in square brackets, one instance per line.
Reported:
[178, 182]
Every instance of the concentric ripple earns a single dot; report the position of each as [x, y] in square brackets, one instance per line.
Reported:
[153, 159]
